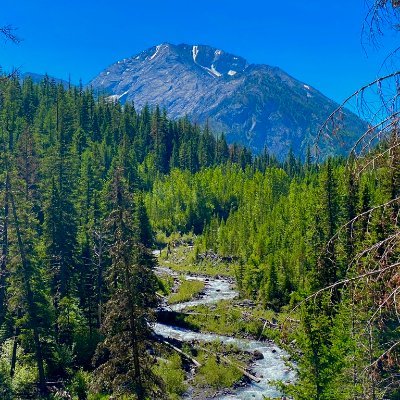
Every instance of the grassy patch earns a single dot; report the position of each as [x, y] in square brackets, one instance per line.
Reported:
[231, 319]
[171, 371]
[213, 375]
[186, 291]
[98, 396]
[183, 259]
[166, 283]
[215, 372]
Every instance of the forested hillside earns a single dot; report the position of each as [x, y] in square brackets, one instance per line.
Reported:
[294, 233]
[74, 234]
[87, 183]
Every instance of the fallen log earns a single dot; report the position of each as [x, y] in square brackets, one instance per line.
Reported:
[270, 324]
[191, 359]
[238, 367]
[242, 370]
[199, 313]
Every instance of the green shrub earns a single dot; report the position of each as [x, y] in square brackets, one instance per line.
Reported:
[187, 291]
[25, 375]
[166, 283]
[80, 384]
[216, 374]
[25, 378]
[5, 381]
[98, 396]
[171, 372]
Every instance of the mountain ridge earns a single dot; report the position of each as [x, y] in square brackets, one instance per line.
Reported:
[37, 78]
[254, 104]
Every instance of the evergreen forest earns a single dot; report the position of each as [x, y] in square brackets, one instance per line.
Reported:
[92, 192]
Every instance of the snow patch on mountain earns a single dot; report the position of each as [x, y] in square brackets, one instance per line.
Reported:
[155, 54]
[209, 71]
[214, 71]
[116, 97]
[195, 51]
[113, 98]
[208, 84]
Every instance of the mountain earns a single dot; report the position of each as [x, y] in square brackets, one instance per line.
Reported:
[37, 78]
[256, 105]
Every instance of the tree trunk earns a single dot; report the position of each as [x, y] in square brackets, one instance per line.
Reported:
[136, 358]
[15, 347]
[4, 255]
[30, 300]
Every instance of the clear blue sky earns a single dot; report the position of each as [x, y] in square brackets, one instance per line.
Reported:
[316, 41]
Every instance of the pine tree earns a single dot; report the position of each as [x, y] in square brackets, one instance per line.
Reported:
[272, 292]
[124, 364]
[33, 312]
[4, 269]
[327, 268]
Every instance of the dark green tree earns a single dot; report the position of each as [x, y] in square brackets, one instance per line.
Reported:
[124, 365]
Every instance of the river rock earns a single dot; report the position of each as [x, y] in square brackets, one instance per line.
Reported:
[258, 355]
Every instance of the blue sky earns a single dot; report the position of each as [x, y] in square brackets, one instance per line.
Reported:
[316, 41]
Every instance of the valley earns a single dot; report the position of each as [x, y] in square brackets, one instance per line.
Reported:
[267, 360]
[188, 223]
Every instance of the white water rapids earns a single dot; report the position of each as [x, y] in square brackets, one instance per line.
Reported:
[271, 368]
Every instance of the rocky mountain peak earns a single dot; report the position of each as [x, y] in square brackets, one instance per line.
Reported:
[257, 105]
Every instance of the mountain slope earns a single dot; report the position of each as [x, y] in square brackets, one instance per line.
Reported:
[256, 105]
[37, 78]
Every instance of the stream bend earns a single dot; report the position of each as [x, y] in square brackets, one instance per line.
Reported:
[271, 367]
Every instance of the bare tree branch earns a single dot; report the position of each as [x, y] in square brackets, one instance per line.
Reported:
[8, 31]
[383, 355]
[344, 282]
[339, 109]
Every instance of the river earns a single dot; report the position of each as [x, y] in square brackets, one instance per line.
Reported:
[271, 367]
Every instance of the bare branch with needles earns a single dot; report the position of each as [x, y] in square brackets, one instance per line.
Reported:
[373, 273]
[330, 126]
[346, 281]
[8, 32]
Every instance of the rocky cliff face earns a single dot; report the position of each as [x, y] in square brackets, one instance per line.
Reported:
[257, 105]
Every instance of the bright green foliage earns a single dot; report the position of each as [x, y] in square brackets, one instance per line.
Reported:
[170, 370]
[216, 373]
[188, 289]
[83, 183]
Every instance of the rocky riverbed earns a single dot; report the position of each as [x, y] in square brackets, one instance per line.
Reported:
[269, 364]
